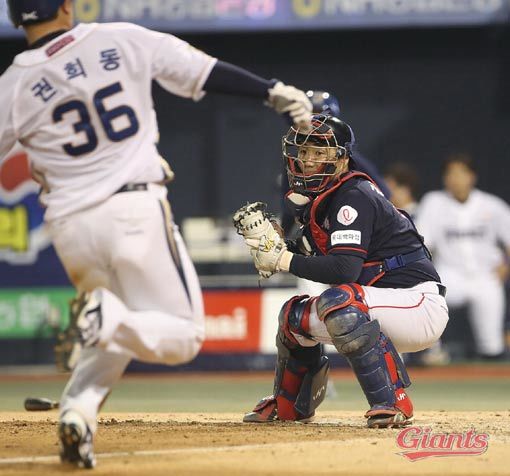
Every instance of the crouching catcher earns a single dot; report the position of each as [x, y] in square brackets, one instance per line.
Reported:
[385, 295]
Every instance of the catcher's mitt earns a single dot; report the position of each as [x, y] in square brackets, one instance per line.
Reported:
[252, 221]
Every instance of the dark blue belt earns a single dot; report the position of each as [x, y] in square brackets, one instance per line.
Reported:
[374, 271]
[399, 261]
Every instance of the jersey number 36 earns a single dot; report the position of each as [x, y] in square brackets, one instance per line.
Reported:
[85, 126]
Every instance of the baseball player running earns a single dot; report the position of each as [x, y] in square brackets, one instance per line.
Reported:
[386, 295]
[79, 101]
[470, 240]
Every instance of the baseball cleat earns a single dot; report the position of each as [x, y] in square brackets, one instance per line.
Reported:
[266, 412]
[76, 441]
[83, 330]
[387, 418]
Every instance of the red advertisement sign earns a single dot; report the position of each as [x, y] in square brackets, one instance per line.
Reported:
[232, 321]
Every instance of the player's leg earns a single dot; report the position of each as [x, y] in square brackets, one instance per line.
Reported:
[163, 321]
[312, 288]
[414, 318]
[371, 354]
[95, 369]
[87, 389]
[155, 313]
[301, 371]
[487, 316]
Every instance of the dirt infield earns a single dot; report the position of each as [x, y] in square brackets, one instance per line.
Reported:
[219, 445]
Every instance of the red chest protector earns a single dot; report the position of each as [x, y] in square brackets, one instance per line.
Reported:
[319, 234]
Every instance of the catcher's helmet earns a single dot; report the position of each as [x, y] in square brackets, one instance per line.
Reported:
[331, 140]
[324, 103]
[28, 12]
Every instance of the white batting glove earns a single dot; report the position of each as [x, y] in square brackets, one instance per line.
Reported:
[269, 254]
[288, 99]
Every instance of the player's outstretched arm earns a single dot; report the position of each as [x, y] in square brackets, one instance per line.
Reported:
[227, 78]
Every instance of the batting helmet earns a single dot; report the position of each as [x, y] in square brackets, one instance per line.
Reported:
[28, 12]
[324, 103]
[331, 139]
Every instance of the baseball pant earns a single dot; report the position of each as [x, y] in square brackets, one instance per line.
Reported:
[128, 251]
[484, 294]
[413, 318]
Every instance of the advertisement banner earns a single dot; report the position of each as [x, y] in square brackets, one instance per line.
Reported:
[189, 16]
[22, 231]
[35, 312]
[232, 321]
[233, 318]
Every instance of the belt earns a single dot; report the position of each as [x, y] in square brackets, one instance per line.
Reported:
[399, 261]
[441, 289]
[132, 187]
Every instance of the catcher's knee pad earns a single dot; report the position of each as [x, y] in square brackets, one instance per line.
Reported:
[300, 381]
[345, 314]
[372, 356]
[294, 317]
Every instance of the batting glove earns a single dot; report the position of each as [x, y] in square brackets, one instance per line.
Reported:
[292, 101]
[268, 256]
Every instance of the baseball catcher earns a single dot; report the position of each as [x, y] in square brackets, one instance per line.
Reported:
[384, 297]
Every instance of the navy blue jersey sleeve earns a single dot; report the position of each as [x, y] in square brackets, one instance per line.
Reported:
[351, 223]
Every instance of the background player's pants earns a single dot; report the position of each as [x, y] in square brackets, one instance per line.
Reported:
[484, 294]
[413, 318]
[151, 300]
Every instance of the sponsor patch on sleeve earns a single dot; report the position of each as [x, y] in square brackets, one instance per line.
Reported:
[341, 237]
[346, 215]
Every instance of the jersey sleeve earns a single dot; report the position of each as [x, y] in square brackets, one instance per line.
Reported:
[177, 66]
[8, 135]
[352, 218]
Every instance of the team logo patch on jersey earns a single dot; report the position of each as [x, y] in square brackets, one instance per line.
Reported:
[346, 215]
[341, 237]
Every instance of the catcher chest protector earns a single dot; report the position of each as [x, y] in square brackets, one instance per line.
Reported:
[372, 356]
[301, 372]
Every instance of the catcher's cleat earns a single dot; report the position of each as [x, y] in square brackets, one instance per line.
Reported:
[386, 417]
[266, 412]
[83, 330]
[76, 441]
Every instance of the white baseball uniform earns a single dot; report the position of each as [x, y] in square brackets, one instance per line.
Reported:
[466, 240]
[81, 105]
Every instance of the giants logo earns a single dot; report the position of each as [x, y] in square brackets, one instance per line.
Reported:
[22, 233]
[421, 443]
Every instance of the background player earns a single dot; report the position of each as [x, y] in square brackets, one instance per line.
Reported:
[468, 231]
[79, 101]
[402, 180]
[355, 239]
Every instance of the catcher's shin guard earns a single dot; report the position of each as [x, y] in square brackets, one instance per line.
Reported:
[372, 356]
[300, 378]
[299, 388]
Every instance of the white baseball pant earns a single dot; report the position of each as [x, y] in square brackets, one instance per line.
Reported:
[129, 251]
[484, 294]
[413, 318]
